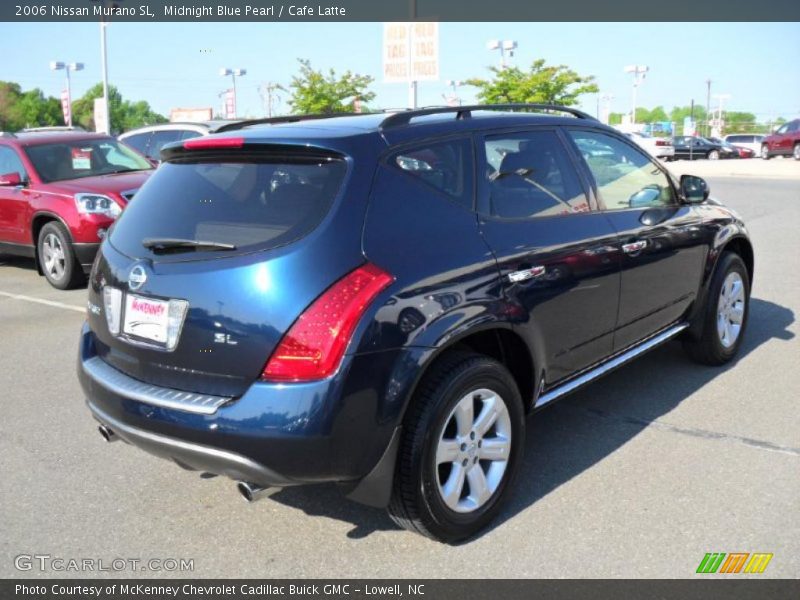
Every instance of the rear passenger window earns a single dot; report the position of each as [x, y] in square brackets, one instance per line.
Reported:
[445, 166]
[531, 175]
[625, 176]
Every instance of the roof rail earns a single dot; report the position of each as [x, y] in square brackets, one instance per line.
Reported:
[465, 112]
[279, 120]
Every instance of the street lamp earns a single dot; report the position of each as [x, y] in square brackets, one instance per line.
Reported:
[454, 98]
[504, 46]
[234, 73]
[67, 67]
[639, 73]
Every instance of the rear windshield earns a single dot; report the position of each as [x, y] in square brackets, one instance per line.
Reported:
[233, 204]
[84, 158]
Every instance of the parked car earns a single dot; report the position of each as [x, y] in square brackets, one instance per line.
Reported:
[698, 147]
[149, 140]
[657, 146]
[751, 141]
[380, 300]
[59, 194]
[738, 152]
[784, 142]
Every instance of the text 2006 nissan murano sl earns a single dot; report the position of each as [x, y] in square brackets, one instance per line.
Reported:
[380, 300]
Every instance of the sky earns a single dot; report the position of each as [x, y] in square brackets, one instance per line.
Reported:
[177, 64]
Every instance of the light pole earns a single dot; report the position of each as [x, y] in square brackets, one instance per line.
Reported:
[234, 73]
[67, 67]
[718, 123]
[504, 46]
[452, 83]
[639, 73]
[604, 106]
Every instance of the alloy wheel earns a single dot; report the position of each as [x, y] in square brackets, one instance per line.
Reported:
[730, 309]
[473, 450]
[53, 255]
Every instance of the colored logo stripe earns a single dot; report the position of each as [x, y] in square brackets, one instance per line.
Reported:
[713, 562]
[758, 562]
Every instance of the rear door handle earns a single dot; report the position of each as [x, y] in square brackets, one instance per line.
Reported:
[526, 274]
[634, 247]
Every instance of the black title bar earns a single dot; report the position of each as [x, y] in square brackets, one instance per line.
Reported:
[154, 11]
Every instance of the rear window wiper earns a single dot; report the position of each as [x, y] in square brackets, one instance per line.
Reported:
[167, 244]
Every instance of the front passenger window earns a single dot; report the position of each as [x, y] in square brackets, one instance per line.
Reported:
[625, 177]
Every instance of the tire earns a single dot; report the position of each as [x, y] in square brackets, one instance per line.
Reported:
[765, 152]
[57, 258]
[438, 424]
[713, 155]
[724, 315]
[796, 151]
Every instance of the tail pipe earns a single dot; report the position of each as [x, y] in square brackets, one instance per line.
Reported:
[107, 434]
[252, 492]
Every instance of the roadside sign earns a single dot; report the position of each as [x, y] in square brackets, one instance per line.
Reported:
[230, 104]
[410, 52]
[66, 106]
[689, 126]
[100, 112]
[190, 115]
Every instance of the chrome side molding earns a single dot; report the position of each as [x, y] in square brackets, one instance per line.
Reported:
[603, 368]
[106, 376]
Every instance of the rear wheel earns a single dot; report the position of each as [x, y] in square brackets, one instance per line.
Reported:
[725, 314]
[713, 155]
[796, 151]
[56, 257]
[765, 152]
[463, 437]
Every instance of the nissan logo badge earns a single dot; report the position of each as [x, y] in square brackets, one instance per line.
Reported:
[137, 278]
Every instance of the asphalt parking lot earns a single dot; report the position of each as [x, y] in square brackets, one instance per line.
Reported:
[638, 475]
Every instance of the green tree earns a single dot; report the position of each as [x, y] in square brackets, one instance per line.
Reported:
[124, 115]
[541, 84]
[314, 92]
[740, 122]
[32, 108]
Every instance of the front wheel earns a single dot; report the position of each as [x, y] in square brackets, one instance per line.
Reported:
[796, 151]
[57, 258]
[713, 155]
[765, 152]
[463, 438]
[725, 313]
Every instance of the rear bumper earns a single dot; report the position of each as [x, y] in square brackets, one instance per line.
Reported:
[664, 151]
[336, 430]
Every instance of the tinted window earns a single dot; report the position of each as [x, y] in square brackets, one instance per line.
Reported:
[84, 158]
[625, 177]
[161, 139]
[531, 175]
[445, 166]
[266, 203]
[188, 134]
[11, 163]
[138, 142]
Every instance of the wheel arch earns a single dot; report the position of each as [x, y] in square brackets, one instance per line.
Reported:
[39, 220]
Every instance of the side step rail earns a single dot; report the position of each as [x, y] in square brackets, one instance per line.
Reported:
[603, 368]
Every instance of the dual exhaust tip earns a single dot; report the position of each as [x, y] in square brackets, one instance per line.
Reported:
[249, 491]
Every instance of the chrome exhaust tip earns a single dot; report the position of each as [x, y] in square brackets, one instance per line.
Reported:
[251, 492]
[107, 434]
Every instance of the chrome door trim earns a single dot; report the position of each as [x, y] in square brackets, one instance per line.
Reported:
[617, 361]
[634, 247]
[526, 274]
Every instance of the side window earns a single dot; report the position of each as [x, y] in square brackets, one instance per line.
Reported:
[531, 175]
[161, 139]
[11, 163]
[138, 142]
[445, 166]
[188, 134]
[783, 129]
[625, 177]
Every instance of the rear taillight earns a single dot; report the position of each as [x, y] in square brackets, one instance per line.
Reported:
[662, 143]
[313, 347]
[203, 143]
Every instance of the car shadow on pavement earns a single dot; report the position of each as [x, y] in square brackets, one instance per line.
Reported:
[567, 439]
[17, 262]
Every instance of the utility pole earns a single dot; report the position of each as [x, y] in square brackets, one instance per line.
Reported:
[639, 73]
[708, 106]
[269, 96]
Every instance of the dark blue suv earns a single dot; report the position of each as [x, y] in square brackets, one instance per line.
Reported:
[380, 300]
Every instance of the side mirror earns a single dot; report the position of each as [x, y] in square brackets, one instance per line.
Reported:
[11, 180]
[694, 189]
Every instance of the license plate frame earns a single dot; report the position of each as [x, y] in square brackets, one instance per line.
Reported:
[146, 319]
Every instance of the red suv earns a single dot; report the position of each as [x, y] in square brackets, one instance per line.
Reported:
[785, 141]
[59, 194]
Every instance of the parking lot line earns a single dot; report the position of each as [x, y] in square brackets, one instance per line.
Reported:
[79, 309]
